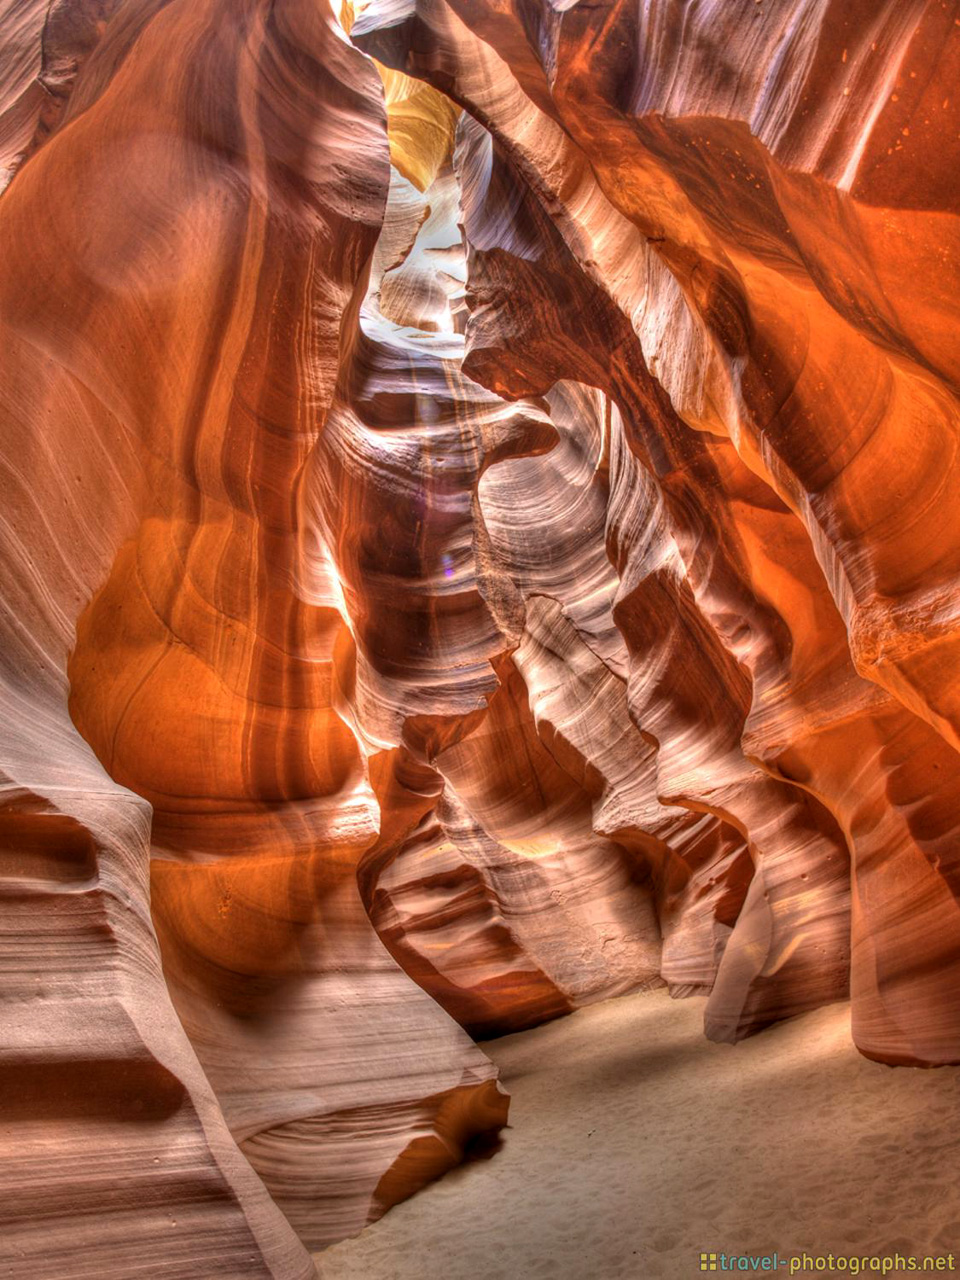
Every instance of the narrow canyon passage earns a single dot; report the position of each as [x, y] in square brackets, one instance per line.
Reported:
[479, 635]
[635, 1145]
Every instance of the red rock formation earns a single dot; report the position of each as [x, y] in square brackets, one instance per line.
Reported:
[477, 540]
[172, 339]
[723, 226]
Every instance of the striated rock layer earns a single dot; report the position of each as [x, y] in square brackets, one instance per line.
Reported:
[478, 538]
[735, 222]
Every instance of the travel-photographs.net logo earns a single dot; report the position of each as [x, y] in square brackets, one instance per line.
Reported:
[891, 1264]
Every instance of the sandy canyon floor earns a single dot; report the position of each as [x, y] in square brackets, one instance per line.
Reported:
[635, 1144]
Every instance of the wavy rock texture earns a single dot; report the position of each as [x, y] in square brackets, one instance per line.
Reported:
[735, 223]
[478, 539]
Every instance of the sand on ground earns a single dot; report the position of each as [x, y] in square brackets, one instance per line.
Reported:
[635, 1144]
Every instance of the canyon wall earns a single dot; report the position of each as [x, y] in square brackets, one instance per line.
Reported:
[479, 537]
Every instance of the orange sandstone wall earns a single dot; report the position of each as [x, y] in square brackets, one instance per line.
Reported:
[479, 536]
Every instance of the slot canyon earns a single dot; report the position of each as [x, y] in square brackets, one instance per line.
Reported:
[480, 545]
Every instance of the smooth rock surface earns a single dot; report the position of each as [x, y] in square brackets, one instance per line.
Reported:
[479, 536]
